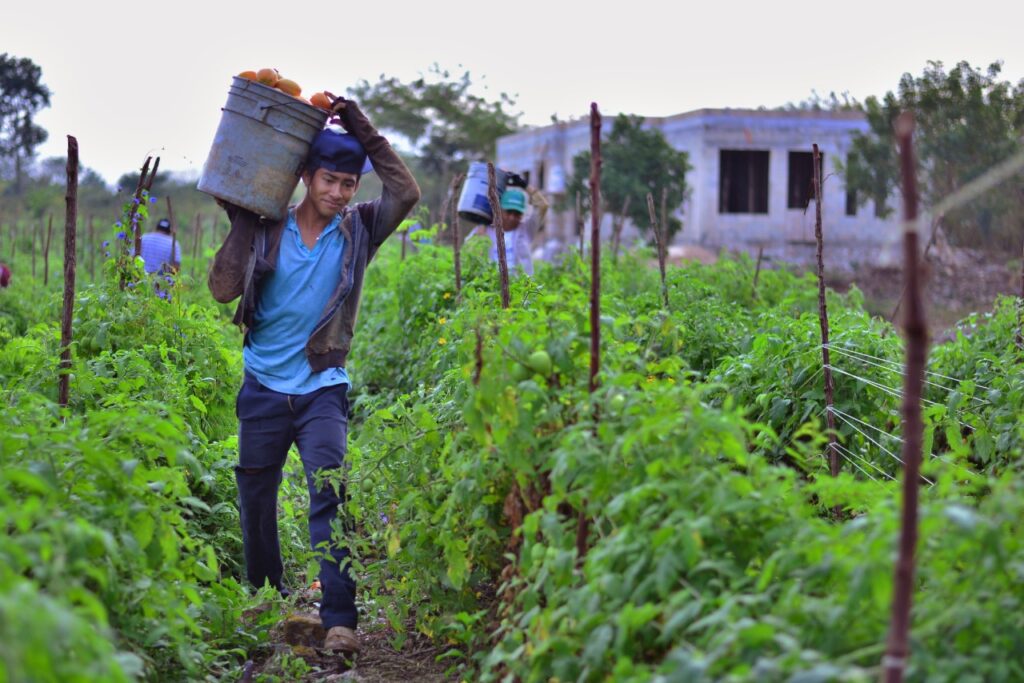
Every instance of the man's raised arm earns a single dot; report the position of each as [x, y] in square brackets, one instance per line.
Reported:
[401, 192]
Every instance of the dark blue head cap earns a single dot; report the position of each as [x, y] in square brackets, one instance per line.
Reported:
[339, 152]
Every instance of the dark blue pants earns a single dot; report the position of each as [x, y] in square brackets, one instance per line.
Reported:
[269, 422]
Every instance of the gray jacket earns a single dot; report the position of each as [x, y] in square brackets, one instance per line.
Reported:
[250, 250]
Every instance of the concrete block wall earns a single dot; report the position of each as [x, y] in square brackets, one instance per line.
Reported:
[784, 233]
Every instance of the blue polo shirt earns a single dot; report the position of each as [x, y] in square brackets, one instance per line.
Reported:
[291, 303]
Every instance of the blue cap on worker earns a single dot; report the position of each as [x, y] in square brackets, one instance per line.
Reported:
[337, 151]
[513, 199]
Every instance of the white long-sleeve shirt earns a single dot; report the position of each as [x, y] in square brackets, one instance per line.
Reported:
[518, 245]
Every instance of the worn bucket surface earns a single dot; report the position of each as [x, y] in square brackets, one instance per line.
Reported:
[474, 206]
[259, 149]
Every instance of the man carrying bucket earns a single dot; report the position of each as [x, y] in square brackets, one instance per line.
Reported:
[300, 279]
[518, 233]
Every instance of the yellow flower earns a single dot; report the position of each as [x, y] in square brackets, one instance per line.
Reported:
[447, 295]
[650, 378]
[442, 341]
[442, 320]
[671, 380]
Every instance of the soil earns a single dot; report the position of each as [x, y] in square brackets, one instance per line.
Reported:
[957, 282]
[300, 635]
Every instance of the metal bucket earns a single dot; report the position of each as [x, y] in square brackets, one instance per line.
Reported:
[260, 147]
[474, 206]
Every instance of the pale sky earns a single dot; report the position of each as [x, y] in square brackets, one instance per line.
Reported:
[137, 78]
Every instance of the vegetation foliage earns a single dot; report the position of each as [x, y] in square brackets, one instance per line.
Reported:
[713, 552]
[968, 120]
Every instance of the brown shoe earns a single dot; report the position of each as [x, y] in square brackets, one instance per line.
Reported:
[342, 639]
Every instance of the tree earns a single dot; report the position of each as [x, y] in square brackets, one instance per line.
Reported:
[967, 121]
[22, 95]
[447, 125]
[635, 161]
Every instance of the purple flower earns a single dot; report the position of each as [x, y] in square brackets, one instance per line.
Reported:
[121, 235]
[117, 224]
[170, 280]
[152, 200]
[163, 295]
[107, 254]
[131, 285]
[106, 243]
[135, 200]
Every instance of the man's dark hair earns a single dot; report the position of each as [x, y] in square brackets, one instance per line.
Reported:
[164, 225]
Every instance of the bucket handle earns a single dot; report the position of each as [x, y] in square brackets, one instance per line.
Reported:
[264, 107]
[278, 104]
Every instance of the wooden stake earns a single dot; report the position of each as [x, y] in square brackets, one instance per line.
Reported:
[132, 223]
[152, 176]
[46, 251]
[757, 268]
[1020, 303]
[174, 234]
[196, 241]
[499, 230]
[833, 452]
[34, 233]
[595, 245]
[453, 204]
[579, 221]
[583, 522]
[915, 327]
[92, 251]
[70, 227]
[664, 213]
[618, 222]
[659, 240]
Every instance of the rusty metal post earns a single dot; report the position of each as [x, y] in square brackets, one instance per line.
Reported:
[915, 327]
[499, 231]
[70, 227]
[833, 453]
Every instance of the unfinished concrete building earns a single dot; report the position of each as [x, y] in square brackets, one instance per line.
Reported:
[751, 183]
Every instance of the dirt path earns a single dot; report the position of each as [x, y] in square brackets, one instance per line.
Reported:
[293, 655]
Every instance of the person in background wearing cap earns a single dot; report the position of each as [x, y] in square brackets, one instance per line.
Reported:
[5, 275]
[518, 233]
[300, 280]
[156, 249]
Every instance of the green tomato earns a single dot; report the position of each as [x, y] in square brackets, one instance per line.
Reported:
[617, 403]
[520, 372]
[540, 362]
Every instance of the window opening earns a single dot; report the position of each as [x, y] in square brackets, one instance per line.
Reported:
[801, 178]
[743, 181]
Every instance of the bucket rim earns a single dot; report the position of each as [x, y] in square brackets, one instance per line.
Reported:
[282, 99]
